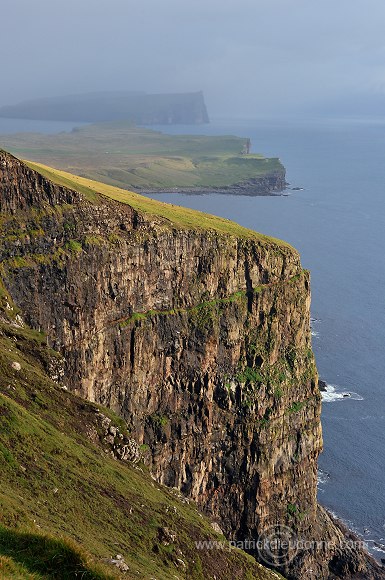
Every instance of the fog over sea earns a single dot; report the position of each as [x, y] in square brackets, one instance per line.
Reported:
[337, 222]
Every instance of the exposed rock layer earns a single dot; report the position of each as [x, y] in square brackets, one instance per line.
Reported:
[273, 184]
[199, 339]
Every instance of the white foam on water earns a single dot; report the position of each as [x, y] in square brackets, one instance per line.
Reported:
[322, 480]
[348, 523]
[334, 514]
[375, 547]
[322, 477]
[314, 321]
[334, 393]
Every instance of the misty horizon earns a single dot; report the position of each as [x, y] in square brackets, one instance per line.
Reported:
[249, 58]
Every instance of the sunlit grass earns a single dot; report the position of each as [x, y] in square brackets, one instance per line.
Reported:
[66, 506]
[139, 158]
[176, 215]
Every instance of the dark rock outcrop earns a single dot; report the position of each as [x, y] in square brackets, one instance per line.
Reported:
[323, 387]
[270, 184]
[200, 340]
[22, 189]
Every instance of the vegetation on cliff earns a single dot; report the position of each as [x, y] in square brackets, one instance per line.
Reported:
[68, 500]
[132, 157]
[175, 215]
[198, 335]
[68, 504]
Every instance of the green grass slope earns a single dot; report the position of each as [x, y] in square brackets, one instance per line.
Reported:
[175, 216]
[133, 157]
[66, 505]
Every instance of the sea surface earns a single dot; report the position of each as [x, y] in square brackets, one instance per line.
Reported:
[337, 222]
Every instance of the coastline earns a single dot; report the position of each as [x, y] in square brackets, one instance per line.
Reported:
[269, 185]
[355, 539]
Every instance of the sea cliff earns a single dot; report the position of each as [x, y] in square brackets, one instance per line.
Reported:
[199, 338]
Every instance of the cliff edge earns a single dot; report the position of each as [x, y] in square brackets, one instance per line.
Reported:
[143, 160]
[195, 331]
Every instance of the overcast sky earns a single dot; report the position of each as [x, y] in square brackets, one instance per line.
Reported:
[250, 57]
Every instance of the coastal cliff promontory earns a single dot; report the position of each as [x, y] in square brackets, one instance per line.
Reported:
[194, 330]
[137, 107]
[144, 160]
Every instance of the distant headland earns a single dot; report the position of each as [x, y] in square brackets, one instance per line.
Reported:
[137, 107]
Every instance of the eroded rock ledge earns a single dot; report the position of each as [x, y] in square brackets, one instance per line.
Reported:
[200, 340]
[273, 184]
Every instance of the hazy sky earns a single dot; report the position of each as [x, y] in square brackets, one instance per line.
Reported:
[248, 56]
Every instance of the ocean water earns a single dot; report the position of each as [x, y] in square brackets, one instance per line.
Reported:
[338, 224]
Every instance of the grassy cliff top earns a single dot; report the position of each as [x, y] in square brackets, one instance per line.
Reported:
[180, 217]
[137, 158]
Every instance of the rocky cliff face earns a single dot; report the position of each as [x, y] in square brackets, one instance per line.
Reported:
[200, 340]
[270, 184]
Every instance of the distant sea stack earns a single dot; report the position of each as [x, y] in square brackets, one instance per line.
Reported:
[141, 108]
